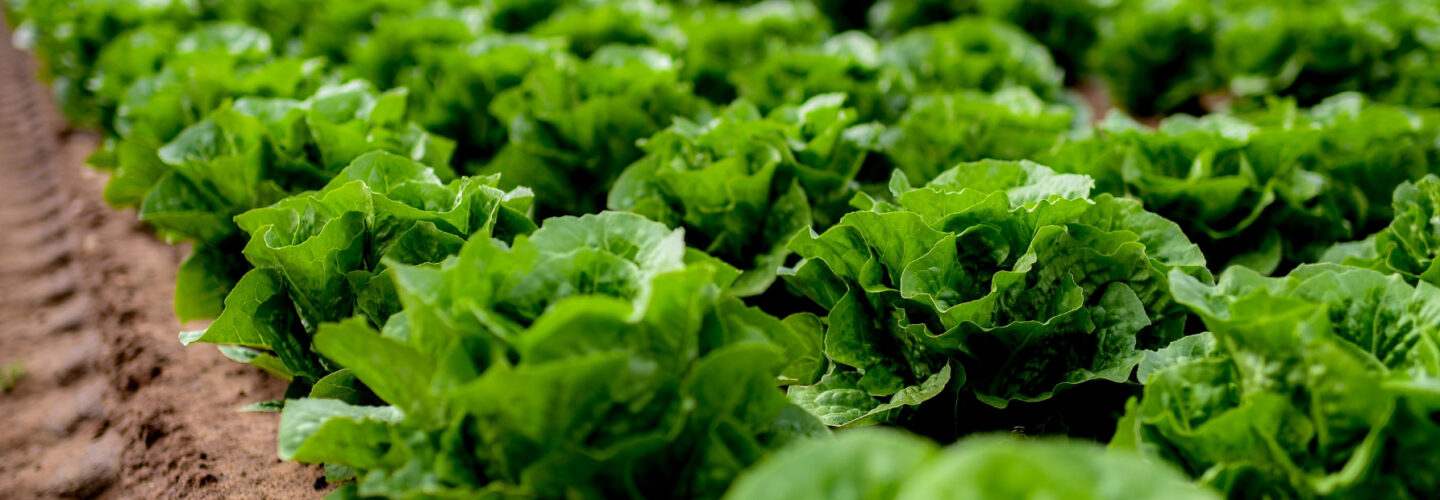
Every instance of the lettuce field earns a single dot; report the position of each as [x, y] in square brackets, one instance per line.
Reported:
[790, 249]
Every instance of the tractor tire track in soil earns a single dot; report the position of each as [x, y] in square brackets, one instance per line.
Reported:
[98, 399]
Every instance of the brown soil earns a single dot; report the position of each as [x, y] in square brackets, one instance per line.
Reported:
[1096, 95]
[108, 404]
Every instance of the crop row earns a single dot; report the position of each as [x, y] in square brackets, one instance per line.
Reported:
[594, 249]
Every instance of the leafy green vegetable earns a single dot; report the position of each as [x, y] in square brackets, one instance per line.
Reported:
[573, 125]
[453, 85]
[1312, 50]
[940, 130]
[1067, 27]
[723, 39]
[158, 107]
[1320, 384]
[398, 41]
[256, 152]
[972, 53]
[588, 26]
[848, 63]
[1267, 191]
[92, 50]
[1410, 246]
[1164, 56]
[441, 345]
[1157, 55]
[744, 184]
[874, 463]
[1004, 279]
[71, 37]
[137, 54]
[980, 54]
[587, 359]
[614, 254]
[326, 255]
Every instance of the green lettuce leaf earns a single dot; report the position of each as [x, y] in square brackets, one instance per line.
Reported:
[1410, 246]
[882, 463]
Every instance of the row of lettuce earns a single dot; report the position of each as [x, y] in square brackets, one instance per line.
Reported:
[529, 106]
[1163, 56]
[805, 257]
[1157, 57]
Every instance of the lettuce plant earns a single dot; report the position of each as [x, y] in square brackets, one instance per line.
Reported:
[139, 53]
[253, 153]
[1410, 246]
[441, 345]
[939, 130]
[1165, 56]
[70, 37]
[743, 184]
[1312, 50]
[587, 26]
[880, 463]
[92, 50]
[1227, 180]
[309, 28]
[452, 87]
[1002, 280]
[158, 107]
[1269, 190]
[848, 63]
[879, 77]
[1319, 384]
[722, 39]
[971, 53]
[1369, 148]
[1067, 27]
[1157, 56]
[398, 42]
[325, 255]
[573, 125]
[596, 357]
